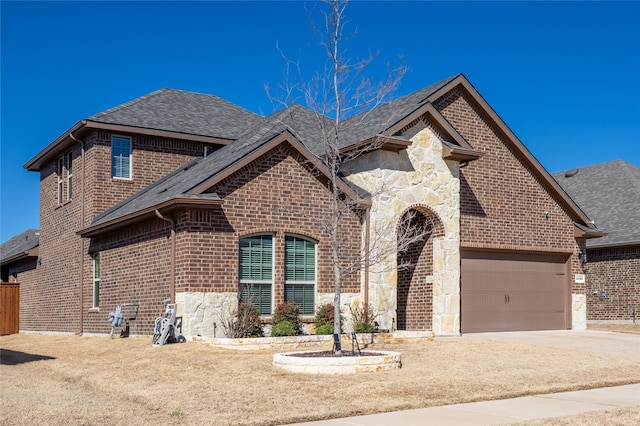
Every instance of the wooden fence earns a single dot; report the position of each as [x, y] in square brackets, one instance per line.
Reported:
[9, 308]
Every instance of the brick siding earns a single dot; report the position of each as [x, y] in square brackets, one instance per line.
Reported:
[614, 275]
[135, 266]
[415, 292]
[136, 261]
[65, 256]
[502, 201]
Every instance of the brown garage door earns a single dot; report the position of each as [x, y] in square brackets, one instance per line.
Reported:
[513, 291]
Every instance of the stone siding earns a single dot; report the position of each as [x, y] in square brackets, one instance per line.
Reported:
[414, 179]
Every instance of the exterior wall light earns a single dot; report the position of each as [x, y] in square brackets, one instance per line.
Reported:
[582, 255]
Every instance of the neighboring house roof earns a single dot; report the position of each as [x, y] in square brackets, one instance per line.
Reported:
[610, 195]
[21, 246]
[165, 112]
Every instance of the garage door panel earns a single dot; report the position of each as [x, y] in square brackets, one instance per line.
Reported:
[513, 291]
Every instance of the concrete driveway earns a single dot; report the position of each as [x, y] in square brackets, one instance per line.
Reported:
[586, 340]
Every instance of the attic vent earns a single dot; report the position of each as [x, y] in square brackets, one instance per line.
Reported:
[164, 190]
[571, 172]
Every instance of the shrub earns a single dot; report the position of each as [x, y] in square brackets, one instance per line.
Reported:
[324, 317]
[283, 328]
[363, 319]
[289, 313]
[324, 329]
[362, 327]
[243, 322]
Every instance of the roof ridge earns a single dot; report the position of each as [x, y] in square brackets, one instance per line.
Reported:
[634, 178]
[160, 91]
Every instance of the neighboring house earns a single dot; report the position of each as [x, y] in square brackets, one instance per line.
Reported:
[186, 196]
[610, 195]
[19, 256]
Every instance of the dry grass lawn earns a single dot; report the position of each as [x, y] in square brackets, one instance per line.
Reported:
[95, 380]
[616, 328]
[613, 417]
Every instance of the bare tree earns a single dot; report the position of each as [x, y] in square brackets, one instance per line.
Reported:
[342, 92]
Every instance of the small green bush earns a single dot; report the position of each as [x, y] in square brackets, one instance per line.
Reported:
[324, 329]
[283, 328]
[290, 313]
[363, 327]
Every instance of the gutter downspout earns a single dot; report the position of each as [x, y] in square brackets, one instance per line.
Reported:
[367, 220]
[172, 280]
[82, 224]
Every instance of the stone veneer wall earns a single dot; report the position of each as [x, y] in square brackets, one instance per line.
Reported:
[203, 313]
[414, 178]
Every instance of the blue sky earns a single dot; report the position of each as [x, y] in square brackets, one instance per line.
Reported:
[564, 76]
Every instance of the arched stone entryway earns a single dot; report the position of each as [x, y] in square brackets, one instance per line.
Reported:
[417, 229]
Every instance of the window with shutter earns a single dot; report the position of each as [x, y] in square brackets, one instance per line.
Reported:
[256, 271]
[300, 273]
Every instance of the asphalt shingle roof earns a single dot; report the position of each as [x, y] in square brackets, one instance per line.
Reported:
[306, 125]
[609, 193]
[183, 112]
[180, 181]
[20, 244]
[384, 116]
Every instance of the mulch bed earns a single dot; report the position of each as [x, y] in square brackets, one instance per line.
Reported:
[331, 354]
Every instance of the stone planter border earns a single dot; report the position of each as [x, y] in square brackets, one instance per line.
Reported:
[380, 361]
[314, 341]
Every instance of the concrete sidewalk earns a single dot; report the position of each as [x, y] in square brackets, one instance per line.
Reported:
[501, 411]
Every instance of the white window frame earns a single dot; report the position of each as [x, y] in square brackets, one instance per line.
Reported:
[271, 282]
[95, 294]
[59, 169]
[113, 168]
[69, 162]
[304, 282]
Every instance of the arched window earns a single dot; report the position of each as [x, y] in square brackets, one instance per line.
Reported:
[256, 271]
[300, 273]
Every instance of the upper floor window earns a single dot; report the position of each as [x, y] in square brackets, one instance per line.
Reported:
[121, 157]
[300, 273]
[256, 272]
[64, 173]
[69, 163]
[59, 172]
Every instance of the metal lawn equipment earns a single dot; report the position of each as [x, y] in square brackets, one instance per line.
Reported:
[166, 328]
[115, 318]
